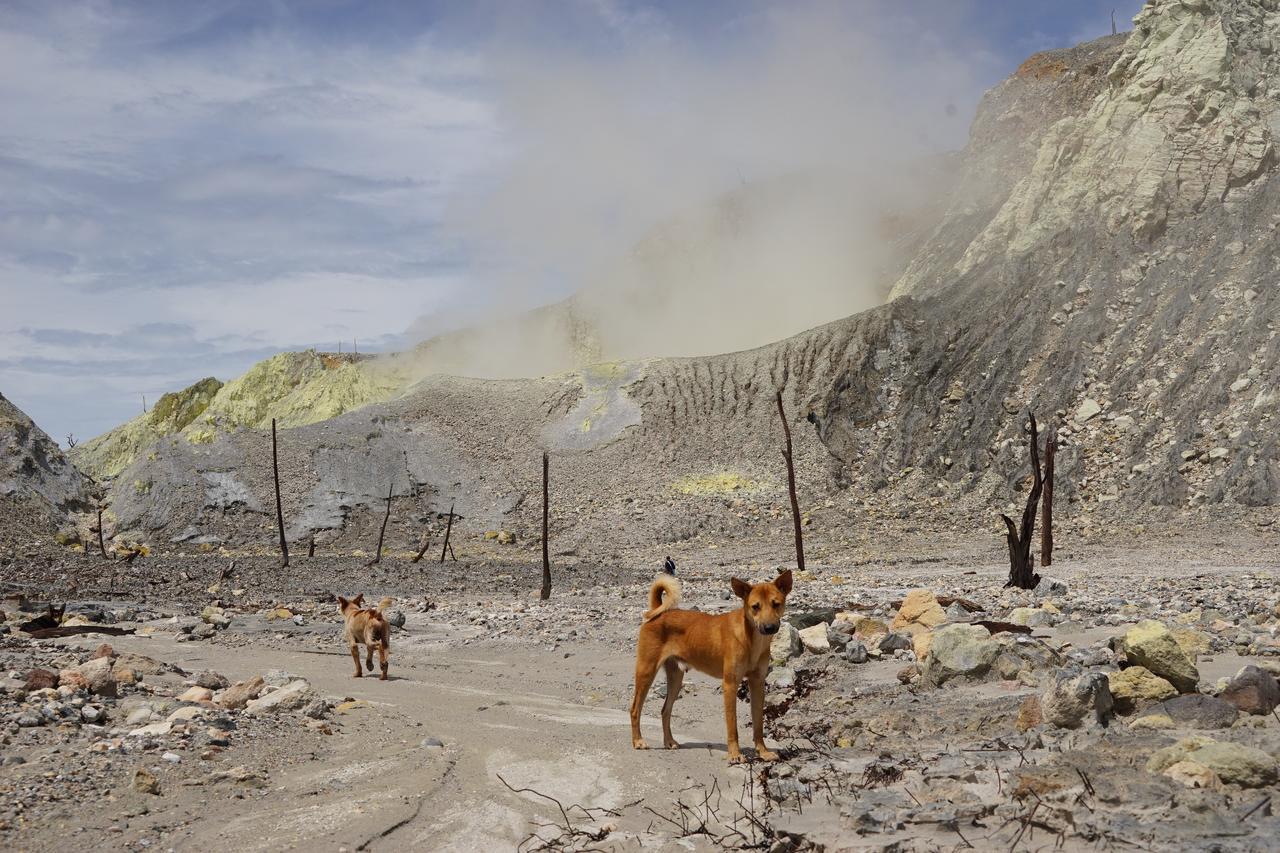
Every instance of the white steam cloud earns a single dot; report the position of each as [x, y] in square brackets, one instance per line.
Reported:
[701, 195]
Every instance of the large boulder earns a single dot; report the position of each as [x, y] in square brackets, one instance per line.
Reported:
[959, 651]
[292, 696]
[919, 612]
[1237, 764]
[814, 639]
[1075, 699]
[1253, 691]
[97, 673]
[1196, 711]
[1150, 644]
[241, 693]
[1136, 687]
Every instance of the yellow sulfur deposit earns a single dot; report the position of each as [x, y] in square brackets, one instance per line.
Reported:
[295, 388]
[719, 483]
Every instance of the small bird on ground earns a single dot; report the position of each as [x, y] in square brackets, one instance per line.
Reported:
[669, 566]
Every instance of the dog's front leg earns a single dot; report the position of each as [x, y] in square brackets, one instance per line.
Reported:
[755, 680]
[731, 719]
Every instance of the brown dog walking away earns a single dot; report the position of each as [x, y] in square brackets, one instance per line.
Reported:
[368, 626]
[729, 646]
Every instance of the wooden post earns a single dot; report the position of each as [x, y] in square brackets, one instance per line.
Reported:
[423, 549]
[275, 472]
[1021, 563]
[791, 487]
[1113, 22]
[546, 511]
[448, 528]
[102, 543]
[377, 554]
[311, 545]
[1046, 515]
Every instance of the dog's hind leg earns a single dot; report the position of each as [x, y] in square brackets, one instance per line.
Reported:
[644, 680]
[382, 660]
[355, 656]
[368, 660]
[675, 680]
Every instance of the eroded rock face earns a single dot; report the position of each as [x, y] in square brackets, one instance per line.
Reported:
[39, 488]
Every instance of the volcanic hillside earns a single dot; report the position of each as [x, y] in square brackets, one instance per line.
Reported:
[39, 489]
[1104, 256]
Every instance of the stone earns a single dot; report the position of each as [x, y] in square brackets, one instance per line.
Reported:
[239, 694]
[97, 672]
[895, 642]
[920, 607]
[1008, 665]
[814, 639]
[959, 651]
[292, 696]
[40, 679]
[104, 651]
[212, 680]
[278, 677]
[185, 714]
[1032, 617]
[145, 782]
[1237, 764]
[153, 729]
[1077, 698]
[125, 677]
[142, 664]
[1030, 714]
[1087, 410]
[73, 679]
[1150, 644]
[92, 714]
[781, 677]
[785, 644]
[1194, 643]
[855, 652]
[1136, 687]
[1197, 711]
[1193, 774]
[1253, 691]
[395, 618]
[196, 694]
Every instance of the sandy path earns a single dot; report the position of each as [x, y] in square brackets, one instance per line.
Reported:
[551, 720]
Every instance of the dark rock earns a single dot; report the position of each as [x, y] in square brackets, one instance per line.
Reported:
[40, 679]
[1196, 711]
[1253, 691]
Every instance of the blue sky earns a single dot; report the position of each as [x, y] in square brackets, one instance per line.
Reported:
[186, 188]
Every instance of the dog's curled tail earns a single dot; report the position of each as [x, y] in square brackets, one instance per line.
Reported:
[663, 595]
[385, 604]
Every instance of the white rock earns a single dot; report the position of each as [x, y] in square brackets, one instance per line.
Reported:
[1088, 409]
[814, 639]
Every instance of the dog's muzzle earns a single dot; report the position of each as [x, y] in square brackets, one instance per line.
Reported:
[769, 629]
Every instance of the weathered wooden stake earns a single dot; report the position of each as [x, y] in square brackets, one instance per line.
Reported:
[791, 487]
[546, 511]
[448, 528]
[275, 472]
[311, 545]
[423, 550]
[1046, 502]
[377, 554]
[1021, 562]
[102, 543]
[1113, 22]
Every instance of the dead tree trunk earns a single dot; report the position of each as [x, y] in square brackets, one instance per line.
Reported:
[275, 472]
[1046, 514]
[546, 560]
[311, 545]
[448, 528]
[1021, 562]
[791, 487]
[377, 554]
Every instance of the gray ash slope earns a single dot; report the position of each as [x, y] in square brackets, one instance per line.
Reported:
[1105, 256]
[40, 491]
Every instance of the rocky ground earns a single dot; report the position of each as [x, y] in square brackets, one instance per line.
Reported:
[1128, 702]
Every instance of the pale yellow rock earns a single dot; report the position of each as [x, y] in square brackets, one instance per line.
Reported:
[920, 607]
[1153, 721]
[920, 644]
[1193, 774]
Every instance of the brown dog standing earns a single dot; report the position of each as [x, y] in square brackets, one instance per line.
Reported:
[366, 626]
[729, 646]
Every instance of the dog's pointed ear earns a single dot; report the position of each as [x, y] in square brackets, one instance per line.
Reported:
[783, 582]
[740, 588]
[342, 602]
[359, 599]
